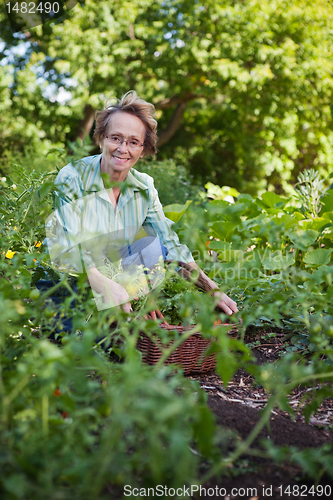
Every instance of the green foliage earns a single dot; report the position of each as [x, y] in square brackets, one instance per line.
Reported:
[75, 424]
[276, 262]
[254, 79]
[174, 300]
[309, 191]
[172, 181]
[72, 423]
[176, 211]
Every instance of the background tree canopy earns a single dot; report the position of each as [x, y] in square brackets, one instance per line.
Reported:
[243, 89]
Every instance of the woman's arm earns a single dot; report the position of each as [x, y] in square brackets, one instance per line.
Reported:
[64, 229]
[225, 303]
[156, 224]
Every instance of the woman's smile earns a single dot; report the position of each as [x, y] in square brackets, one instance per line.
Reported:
[120, 158]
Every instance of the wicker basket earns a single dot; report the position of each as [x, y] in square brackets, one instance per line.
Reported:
[190, 355]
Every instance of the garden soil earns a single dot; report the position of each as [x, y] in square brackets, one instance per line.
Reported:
[237, 410]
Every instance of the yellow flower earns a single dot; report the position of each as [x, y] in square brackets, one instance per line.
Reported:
[10, 254]
[15, 228]
[38, 244]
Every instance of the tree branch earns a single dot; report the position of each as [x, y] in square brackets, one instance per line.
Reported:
[173, 101]
[173, 125]
[84, 127]
[180, 102]
[86, 123]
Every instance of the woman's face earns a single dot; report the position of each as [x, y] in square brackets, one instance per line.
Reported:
[121, 158]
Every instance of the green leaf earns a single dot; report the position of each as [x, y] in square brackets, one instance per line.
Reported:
[175, 211]
[314, 224]
[328, 236]
[226, 365]
[303, 238]
[204, 429]
[287, 220]
[67, 402]
[222, 230]
[226, 210]
[16, 485]
[277, 261]
[273, 200]
[219, 245]
[318, 257]
[328, 215]
[312, 406]
[327, 202]
[45, 189]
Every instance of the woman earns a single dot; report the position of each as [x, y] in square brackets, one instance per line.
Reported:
[94, 220]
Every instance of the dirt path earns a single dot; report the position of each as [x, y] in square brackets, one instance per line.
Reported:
[237, 408]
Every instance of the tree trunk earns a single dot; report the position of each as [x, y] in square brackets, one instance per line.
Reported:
[180, 102]
[173, 125]
[86, 123]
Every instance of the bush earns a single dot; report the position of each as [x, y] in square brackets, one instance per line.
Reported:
[73, 424]
[173, 183]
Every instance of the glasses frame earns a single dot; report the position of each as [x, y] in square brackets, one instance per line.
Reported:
[123, 140]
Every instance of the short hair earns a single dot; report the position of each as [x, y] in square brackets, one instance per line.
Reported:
[133, 104]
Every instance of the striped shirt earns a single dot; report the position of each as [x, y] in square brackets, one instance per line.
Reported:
[85, 227]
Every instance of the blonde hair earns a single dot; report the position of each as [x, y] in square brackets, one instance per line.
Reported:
[133, 104]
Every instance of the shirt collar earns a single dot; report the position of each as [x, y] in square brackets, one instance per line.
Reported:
[93, 182]
[134, 183]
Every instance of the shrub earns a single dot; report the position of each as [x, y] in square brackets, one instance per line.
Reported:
[173, 183]
[75, 425]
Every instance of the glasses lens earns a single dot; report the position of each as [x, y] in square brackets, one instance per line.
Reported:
[116, 140]
[134, 144]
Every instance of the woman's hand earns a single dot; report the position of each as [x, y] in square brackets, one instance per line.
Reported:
[225, 303]
[113, 293]
[156, 314]
[116, 295]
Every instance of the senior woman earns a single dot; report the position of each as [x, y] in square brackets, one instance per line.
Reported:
[93, 217]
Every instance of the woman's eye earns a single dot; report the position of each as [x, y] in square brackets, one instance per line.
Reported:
[115, 138]
[134, 143]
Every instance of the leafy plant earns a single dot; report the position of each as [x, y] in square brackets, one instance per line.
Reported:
[309, 190]
[75, 424]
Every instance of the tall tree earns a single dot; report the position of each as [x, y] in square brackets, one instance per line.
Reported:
[243, 88]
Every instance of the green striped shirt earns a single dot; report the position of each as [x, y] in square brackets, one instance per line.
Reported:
[85, 226]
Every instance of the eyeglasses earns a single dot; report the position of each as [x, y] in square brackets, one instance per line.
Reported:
[117, 140]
